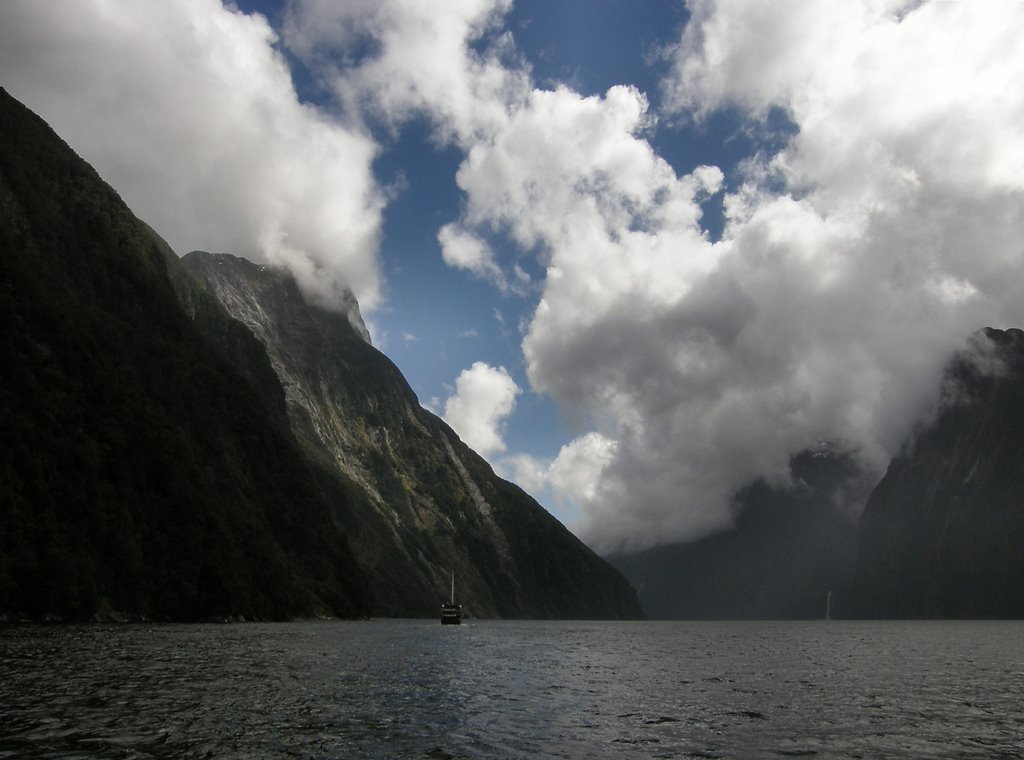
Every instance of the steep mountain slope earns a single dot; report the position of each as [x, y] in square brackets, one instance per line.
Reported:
[789, 548]
[139, 471]
[942, 533]
[419, 502]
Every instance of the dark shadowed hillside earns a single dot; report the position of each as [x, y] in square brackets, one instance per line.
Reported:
[161, 459]
[789, 548]
[943, 532]
[139, 472]
[418, 502]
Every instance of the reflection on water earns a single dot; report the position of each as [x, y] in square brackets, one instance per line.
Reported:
[514, 689]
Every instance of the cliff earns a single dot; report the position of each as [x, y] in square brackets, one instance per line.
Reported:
[941, 535]
[418, 503]
[162, 460]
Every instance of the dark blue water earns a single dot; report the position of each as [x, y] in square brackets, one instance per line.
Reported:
[514, 689]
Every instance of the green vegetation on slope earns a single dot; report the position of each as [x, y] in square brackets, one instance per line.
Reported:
[138, 471]
[418, 502]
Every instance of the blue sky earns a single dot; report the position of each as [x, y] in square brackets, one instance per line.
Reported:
[439, 322]
[636, 254]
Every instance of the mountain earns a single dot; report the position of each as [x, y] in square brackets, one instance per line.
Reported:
[192, 439]
[140, 472]
[789, 547]
[417, 502]
[942, 533]
[159, 460]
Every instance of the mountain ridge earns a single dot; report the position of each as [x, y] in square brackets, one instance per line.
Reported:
[151, 466]
[789, 548]
[139, 474]
[431, 504]
[941, 534]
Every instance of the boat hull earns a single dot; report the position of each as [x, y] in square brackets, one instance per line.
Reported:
[451, 614]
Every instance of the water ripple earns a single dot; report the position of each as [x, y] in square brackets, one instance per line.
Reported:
[412, 689]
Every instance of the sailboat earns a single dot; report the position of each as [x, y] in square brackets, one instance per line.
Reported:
[451, 613]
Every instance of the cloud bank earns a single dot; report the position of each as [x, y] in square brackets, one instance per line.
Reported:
[853, 260]
[188, 109]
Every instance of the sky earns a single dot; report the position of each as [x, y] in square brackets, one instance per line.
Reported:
[637, 254]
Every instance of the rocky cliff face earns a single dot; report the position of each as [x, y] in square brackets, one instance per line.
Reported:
[156, 462]
[417, 503]
[943, 532]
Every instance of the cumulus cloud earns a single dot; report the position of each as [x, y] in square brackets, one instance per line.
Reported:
[484, 397]
[189, 110]
[464, 250]
[448, 60]
[854, 260]
[573, 477]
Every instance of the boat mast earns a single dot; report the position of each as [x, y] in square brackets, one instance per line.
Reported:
[453, 587]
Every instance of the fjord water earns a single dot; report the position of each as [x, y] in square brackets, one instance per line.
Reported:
[498, 689]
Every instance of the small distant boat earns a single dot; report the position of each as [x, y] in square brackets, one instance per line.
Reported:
[451, 613]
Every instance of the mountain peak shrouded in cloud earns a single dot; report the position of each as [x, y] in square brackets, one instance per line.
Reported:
[859, 246]
[188, 109]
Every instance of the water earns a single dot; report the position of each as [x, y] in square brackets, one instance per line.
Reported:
[416, 689]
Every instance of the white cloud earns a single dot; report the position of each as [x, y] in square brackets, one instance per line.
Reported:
[852, 263]
[484, 397]
[565, 482]
[463, 250]
[422, 59]
[829, 307]
[188, 109]
[575, 474]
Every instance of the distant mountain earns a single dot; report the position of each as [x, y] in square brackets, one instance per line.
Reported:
[940, 537]
[943, 532]
[418, 503]
[788, 549]
[140, 473]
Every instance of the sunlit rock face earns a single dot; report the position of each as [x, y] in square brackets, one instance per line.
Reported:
[941, 535]
[161, 459]
[415, 502]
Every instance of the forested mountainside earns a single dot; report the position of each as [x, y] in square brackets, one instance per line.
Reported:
[153, 466]
[140, 473]
[420, 504]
